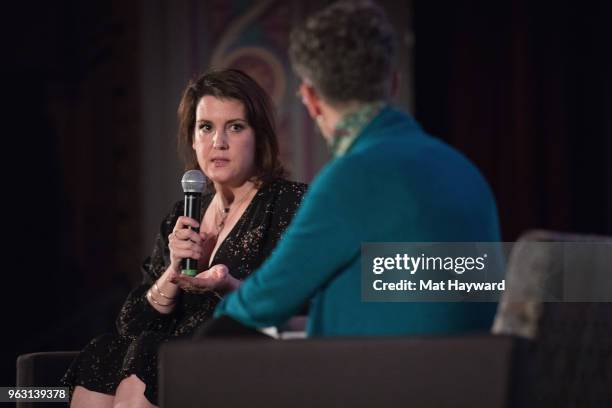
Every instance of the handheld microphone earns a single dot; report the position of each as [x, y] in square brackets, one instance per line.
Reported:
[193, 184]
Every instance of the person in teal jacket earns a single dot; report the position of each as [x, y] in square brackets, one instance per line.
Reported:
[388, 182]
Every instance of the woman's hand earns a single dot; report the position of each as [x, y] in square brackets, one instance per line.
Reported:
[184, 242]
[217, 279]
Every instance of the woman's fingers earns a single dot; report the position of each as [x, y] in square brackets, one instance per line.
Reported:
[185, 245]
[193, 284]
[183, 222]
[182, 231]
[214, 275]
[219, 272]
[185, 234]
[187, 253]
[184, 242]
[211, 279]
[185, 249]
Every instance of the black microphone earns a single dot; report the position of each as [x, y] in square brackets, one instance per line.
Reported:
[193, 184]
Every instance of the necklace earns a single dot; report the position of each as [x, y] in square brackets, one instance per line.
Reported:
[224, 211]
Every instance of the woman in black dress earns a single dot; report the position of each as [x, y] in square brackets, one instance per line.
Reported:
[226, 129]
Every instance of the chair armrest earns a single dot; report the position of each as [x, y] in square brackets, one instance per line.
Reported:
[43, 369]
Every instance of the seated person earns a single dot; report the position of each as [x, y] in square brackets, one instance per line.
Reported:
[388, 181]
[226, 129]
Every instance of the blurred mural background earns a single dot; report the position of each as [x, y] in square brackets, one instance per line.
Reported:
[89, 106]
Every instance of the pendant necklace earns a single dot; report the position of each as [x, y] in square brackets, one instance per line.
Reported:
[224, 211]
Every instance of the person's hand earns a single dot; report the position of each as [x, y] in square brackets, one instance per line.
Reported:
[183, 242]
[217, 279]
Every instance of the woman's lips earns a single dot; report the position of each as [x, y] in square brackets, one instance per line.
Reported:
[220, 162]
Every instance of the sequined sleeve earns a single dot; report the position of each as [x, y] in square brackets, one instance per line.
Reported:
[137, 314]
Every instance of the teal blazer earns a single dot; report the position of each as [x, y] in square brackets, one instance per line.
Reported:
[394, 184]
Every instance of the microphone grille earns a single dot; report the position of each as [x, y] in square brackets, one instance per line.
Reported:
[193, 181]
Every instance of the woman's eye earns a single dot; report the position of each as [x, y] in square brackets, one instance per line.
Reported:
[204, 127]
[236, 127]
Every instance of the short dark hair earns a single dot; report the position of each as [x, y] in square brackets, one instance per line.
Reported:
[232, 84]
[346, 50]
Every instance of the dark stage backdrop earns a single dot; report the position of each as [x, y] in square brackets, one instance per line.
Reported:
[71, 171]
[522, 88]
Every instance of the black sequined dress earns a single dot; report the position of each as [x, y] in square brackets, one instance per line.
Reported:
[140, 329]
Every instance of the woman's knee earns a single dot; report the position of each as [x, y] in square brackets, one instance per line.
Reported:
[82, 397]
[130, 393]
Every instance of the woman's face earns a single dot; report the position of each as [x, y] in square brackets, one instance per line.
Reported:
[223, 141]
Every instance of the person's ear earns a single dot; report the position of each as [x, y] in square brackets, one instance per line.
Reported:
[311, 100]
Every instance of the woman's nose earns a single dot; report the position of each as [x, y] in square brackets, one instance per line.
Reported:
[220, 141]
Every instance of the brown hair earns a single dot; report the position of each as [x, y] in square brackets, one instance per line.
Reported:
[232, 84]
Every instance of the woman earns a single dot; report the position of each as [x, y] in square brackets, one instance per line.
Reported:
[226, 129]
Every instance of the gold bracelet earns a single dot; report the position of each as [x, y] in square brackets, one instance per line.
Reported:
[162, 293]
[152, 299]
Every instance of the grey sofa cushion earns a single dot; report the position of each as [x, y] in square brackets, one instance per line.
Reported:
[364, 372]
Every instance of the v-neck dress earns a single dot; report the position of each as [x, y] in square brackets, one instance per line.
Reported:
[140, 329]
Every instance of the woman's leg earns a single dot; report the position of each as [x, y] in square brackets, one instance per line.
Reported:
[84, 398]
[130, 393]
